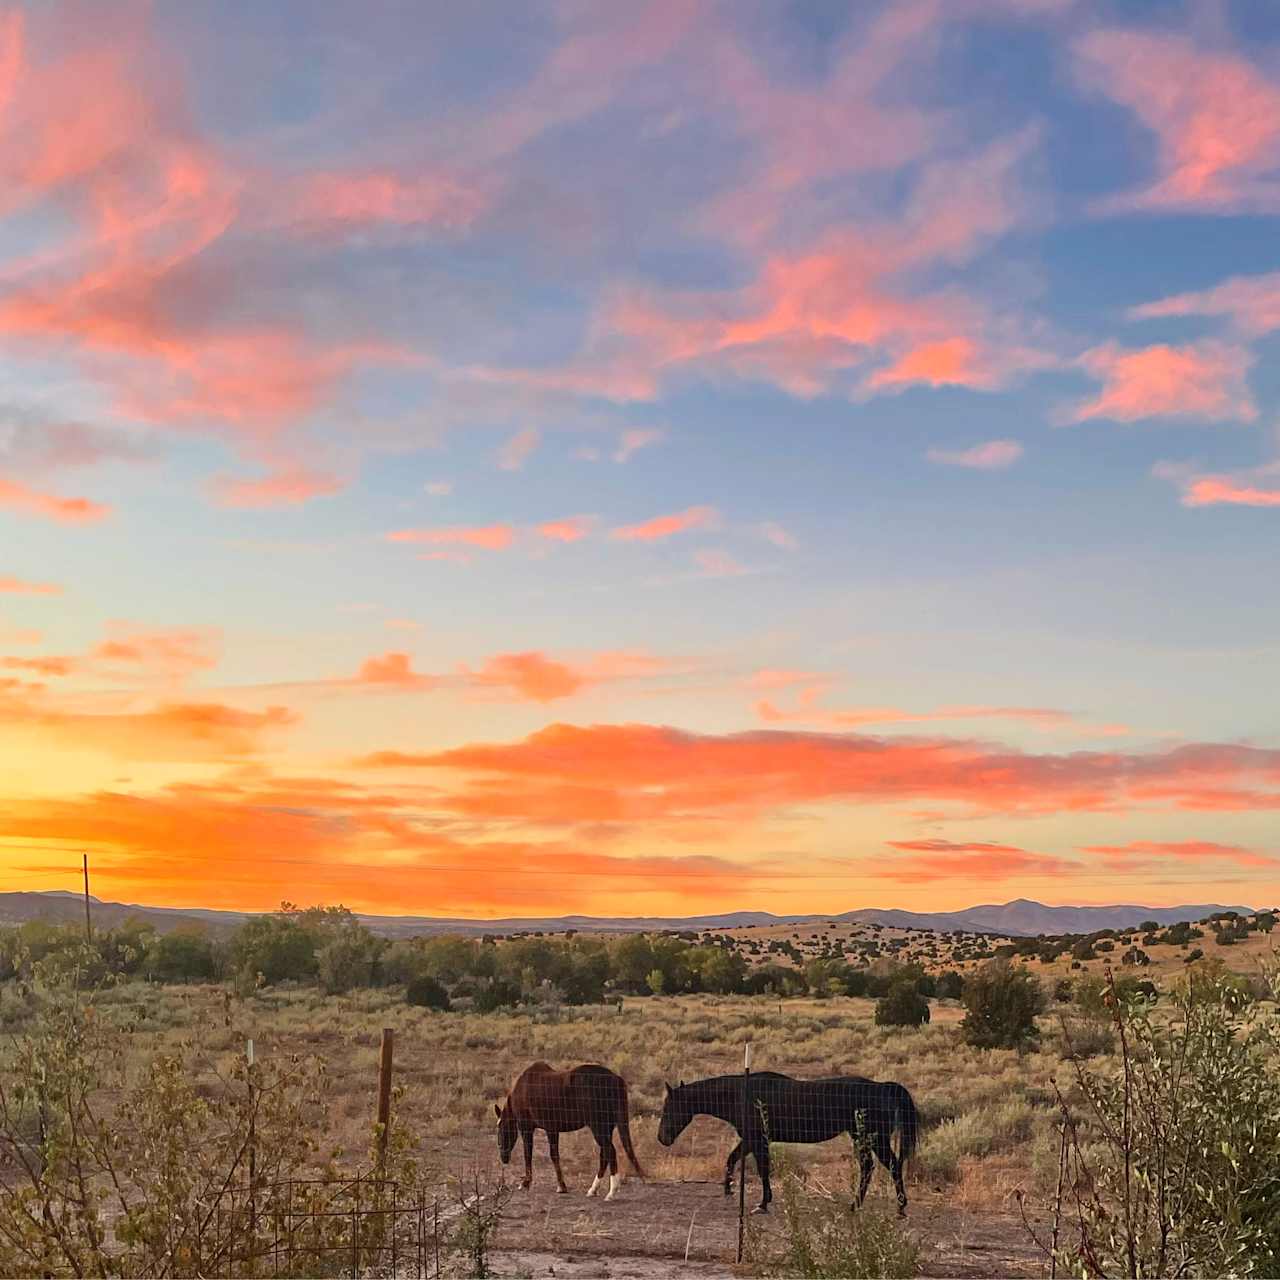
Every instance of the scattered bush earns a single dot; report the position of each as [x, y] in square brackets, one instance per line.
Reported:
[427, 993]
[1001, 1004]
[902, 1006]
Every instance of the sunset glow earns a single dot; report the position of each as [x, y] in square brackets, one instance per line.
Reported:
[640, 459]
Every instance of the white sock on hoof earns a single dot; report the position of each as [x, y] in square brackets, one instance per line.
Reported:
[595, 1182]
[613, 1186]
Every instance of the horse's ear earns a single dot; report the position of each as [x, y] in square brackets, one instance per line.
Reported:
[666, 1084]
[497, 1111]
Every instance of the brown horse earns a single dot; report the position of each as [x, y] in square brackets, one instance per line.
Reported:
[559, 1102]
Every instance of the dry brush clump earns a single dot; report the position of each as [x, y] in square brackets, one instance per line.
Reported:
[117, 1163]
[1169, 1157]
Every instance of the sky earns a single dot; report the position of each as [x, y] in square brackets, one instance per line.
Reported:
[504, 459]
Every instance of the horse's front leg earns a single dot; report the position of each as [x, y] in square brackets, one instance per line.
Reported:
[761, 1152]
[526, 1137]
[553, 1146]
[734, 1156]
[888, 1158]
[868, 1163]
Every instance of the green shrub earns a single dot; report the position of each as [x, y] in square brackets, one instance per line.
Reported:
[427, 993]
[902, 1006]
[1001, 1004]
[1172, 1166]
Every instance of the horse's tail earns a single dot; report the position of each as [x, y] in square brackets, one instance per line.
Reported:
[624, 1128]
[907, 1118]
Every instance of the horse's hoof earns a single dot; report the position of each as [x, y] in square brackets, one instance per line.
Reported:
[760, 1208]
[562, 1191]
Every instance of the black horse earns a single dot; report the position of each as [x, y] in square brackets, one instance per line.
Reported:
[781, 1109]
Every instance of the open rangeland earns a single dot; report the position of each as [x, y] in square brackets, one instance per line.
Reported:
[986, 1131]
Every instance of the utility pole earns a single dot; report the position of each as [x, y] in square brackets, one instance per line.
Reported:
[88, 923]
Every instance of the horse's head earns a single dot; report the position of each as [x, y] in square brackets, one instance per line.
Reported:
[506, 1130]
[676, 1114]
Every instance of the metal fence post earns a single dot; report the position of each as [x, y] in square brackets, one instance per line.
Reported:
[742, 1167]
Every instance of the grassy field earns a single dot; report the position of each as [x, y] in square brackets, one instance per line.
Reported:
[987, 1114]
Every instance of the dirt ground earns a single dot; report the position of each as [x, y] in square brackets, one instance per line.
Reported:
[665, 1230]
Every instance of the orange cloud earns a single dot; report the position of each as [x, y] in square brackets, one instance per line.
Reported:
[571, 529]
[661, 527]
[809, 711]
[492, 537]
[20, 587]
[531, 675]
[250, 844]
[394, 670]
[1121, 856]
[1205, 380]
[942, 859]
[652, 771]
[1209, 491]
[170, 732]
[49, 665]
[992, 455]
[171, 653]
[18, 497]
[1216, 117]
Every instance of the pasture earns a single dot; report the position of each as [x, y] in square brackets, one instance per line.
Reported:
[986, 1118]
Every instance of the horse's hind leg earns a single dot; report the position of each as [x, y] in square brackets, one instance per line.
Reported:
[888, 1157]
[734, 1156]
[553, 1146]
[604, 1163]
[613, 1165]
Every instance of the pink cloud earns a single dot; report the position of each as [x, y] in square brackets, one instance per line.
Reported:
[28, 501]
[571, 529]
[288, 486]
[636, 439]
[718, 564]
[1215, 116]
[782, 678]
[661, 527]
[491, 537]
[949, 362]
[515, 453]
[363, 199]
[21, 587]
[1203, 380]
[992, 455]
[1251, 303]
[780, 536]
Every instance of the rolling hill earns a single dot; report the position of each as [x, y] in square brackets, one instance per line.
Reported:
[1019, 918]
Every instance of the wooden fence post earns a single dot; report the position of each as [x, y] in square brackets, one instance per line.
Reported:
[384, 1096]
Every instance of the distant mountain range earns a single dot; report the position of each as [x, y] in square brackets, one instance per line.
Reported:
[1020, 918]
